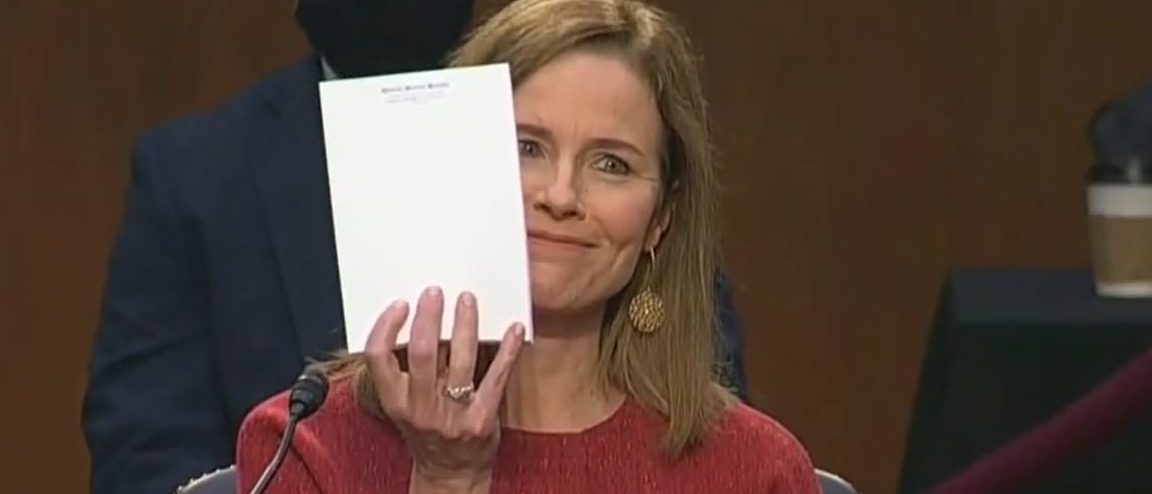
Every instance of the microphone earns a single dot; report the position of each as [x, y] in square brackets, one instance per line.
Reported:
[306, 396]
[308, 393]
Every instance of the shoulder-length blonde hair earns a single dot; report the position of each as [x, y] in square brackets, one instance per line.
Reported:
[670, 370]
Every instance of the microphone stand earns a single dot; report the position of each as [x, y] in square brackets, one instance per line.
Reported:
[308, 393]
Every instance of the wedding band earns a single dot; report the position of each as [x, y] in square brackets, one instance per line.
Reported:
[460, 394]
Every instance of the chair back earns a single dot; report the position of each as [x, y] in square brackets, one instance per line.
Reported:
[222, 481]
[831, 483]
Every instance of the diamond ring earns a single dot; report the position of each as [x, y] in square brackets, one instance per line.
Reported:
[460, 394]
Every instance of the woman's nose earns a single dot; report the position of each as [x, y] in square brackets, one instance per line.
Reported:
[558, 192]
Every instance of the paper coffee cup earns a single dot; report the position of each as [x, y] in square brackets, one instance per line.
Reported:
[1120, 227]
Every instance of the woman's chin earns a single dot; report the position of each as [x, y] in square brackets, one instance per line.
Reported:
[550, 303]
[563, 297]
[549, 291]
[547, 303]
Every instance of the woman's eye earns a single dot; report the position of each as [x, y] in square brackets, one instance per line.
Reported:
[529, 149]
[613, 165]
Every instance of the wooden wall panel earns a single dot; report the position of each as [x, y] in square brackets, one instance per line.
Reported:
[81, 81]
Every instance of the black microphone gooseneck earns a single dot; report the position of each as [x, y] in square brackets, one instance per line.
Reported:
[307, 394]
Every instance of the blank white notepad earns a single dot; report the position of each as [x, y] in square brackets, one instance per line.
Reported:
[425, 182]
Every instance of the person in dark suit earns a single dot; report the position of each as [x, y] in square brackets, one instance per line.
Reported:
[222, 283]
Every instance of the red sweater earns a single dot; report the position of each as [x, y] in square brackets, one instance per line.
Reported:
[343, 450]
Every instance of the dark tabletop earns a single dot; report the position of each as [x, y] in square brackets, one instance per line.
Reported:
[1010, 347]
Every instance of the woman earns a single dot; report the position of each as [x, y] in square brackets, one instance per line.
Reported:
[616, 392]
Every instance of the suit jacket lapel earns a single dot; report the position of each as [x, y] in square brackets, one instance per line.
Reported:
[291, 175]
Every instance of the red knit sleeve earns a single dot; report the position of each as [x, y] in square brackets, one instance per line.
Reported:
[796, 473]
[259, 437]
[788, 468]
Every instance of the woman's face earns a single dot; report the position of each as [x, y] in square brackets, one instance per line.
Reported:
[590, 138]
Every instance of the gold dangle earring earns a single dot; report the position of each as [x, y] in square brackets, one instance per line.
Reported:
[646, 309]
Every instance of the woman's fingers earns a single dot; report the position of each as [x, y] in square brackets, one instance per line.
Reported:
[462, 361]
[380, 351]
[419, 397]
[491, 390]
[423, 346]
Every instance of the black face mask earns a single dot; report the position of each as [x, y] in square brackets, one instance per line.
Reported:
[371, 37]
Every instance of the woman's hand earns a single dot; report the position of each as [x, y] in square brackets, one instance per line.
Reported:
[450, 426]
